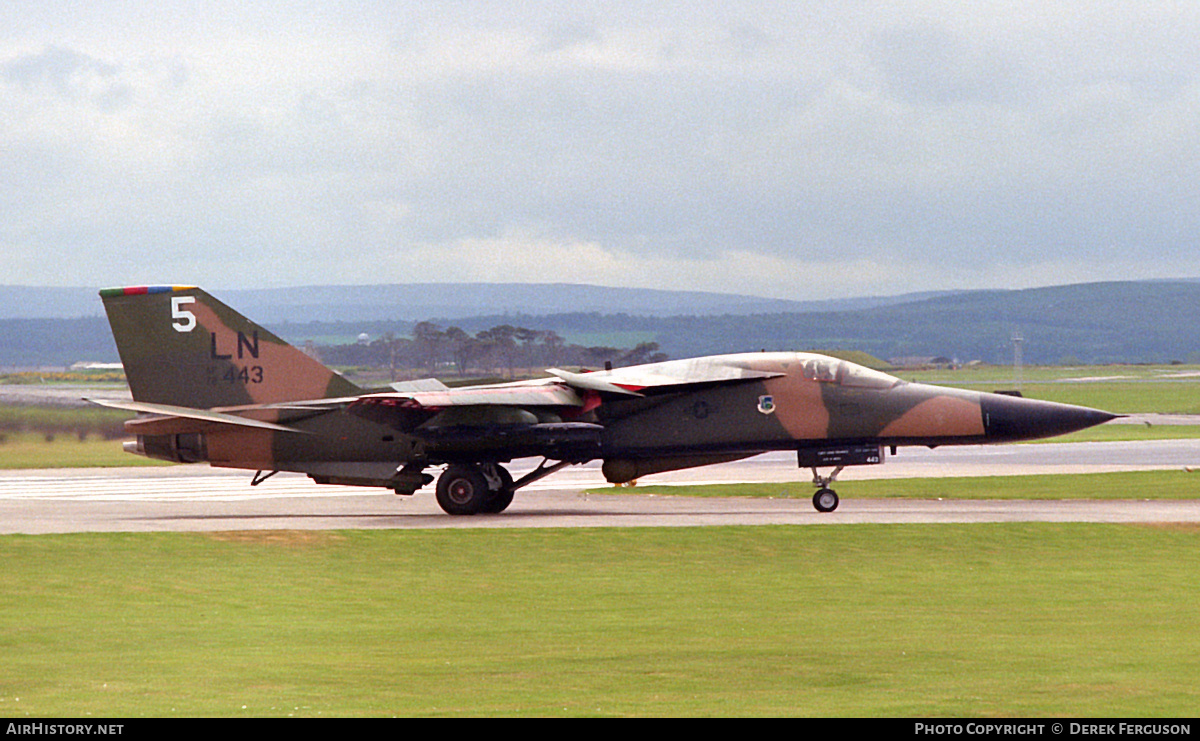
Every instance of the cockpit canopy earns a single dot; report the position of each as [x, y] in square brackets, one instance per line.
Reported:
[844, 373]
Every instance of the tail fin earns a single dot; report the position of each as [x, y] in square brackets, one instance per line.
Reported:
[181, 346]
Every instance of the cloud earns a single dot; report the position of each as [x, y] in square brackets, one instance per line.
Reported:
[812, 149]
[69, 75]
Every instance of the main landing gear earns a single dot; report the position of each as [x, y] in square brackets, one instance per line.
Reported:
[826, 499]
[468, 489]
[483, 488]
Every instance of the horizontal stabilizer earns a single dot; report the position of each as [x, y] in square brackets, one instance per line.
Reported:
[174, 419]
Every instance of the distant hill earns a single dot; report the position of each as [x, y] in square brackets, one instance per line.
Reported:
[1152, 321]
[56, 343]
[417, 302]
[1143, 321]
[1146, 321]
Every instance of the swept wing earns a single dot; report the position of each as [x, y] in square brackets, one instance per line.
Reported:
[580, 391]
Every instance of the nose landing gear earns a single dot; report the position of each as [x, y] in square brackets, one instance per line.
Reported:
[826, 499]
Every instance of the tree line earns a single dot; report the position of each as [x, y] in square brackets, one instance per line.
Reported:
[502, 349]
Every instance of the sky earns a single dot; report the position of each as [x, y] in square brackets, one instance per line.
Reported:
[801, 150]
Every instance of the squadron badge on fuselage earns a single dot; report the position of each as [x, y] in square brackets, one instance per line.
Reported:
[766, 404]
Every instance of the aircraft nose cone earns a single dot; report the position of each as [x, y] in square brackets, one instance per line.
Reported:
[1016, 418]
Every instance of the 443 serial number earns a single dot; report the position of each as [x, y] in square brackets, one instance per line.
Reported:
[233, 375]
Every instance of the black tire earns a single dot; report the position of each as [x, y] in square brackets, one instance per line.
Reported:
[463, 490]
[825, 500]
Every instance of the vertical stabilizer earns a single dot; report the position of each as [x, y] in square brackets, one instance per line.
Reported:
[181, 346]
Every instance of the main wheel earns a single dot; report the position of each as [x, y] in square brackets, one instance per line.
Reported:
[463, 490]
[825, 500]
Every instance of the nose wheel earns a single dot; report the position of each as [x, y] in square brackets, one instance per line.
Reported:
[826, 499]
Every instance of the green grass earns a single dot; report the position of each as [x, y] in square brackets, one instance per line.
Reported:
[34, 436]
[1175, 484]
[32, 450]
[1125, 432]
[1003, 375]
[1128, 390]
[90, 377]
[52, 419]
[1165, 397]
[856, 620]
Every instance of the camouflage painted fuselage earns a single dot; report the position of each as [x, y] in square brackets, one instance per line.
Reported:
[210, 385]
[815, 405]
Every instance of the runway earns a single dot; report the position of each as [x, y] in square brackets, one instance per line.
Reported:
[200, 498]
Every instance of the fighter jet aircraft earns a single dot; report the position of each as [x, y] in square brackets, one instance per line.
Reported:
[210, 385]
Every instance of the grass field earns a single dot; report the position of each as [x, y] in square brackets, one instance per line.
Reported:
[856, 620]
[1123, 389]
[1003, 375]
[33, 450]
[86, 420]
[1166, 397]
[1114, 432]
